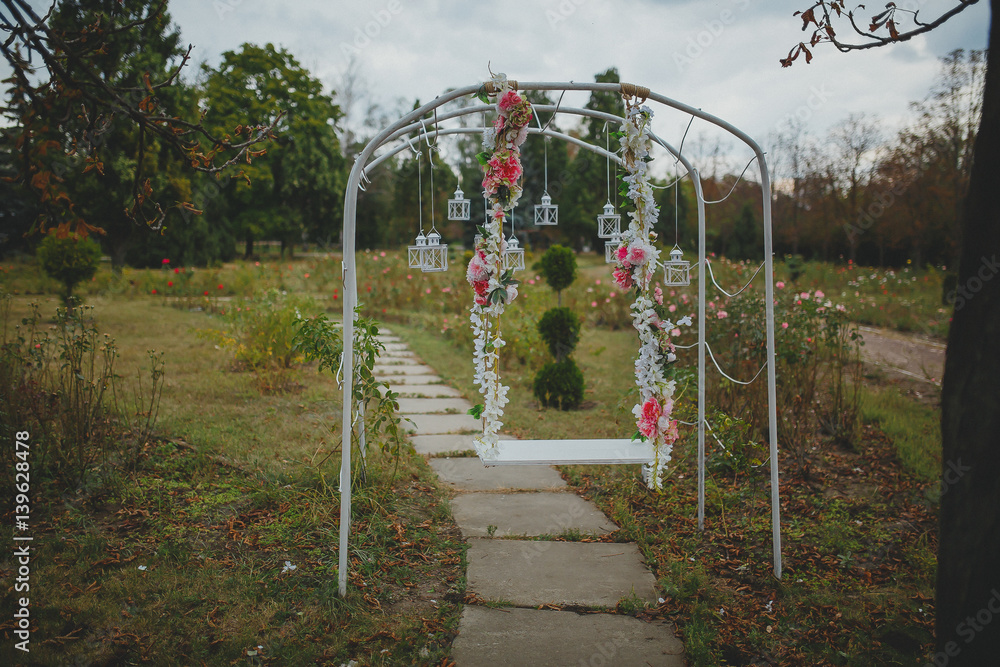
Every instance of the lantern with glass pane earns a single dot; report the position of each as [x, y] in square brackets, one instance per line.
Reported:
[435, 254]
[459, 208]
[677, 271]
[415, 253]
[609, 223]
[611, 247]
[513, 256]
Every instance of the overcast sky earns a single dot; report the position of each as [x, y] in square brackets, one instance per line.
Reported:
[721, 56]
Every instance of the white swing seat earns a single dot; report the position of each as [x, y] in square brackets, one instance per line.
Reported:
[571, 452]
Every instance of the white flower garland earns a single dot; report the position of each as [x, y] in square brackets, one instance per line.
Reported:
[494, 287]
[637, 259]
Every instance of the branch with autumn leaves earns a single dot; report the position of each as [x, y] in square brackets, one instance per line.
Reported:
[883, 28]
[67, 89]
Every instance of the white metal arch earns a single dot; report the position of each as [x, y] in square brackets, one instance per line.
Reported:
[413, 121]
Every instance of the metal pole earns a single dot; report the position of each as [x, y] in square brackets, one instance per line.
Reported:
[772, 393]
[696, 180]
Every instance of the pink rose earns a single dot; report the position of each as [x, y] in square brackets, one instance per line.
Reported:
[658, 296]
[780, 285]
[477, 269]
[623, 278]
[622, 253]
[649, 417]
[510, 100]
[638, 255]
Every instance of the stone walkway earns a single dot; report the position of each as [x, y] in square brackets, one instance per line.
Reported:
[517, 577]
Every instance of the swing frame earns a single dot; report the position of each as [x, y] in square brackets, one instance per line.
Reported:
[549, 452]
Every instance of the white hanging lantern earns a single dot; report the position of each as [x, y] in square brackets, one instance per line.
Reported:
[609, 223]
[415, 253]
[459, 207]
[513, 256]
[546, 213]
[435, 254]
[611, 248]
[677, 271]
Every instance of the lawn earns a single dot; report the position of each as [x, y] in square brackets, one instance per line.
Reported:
[237, 484]
[216, 540]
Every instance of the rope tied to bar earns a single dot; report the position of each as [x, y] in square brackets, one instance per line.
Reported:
[630, 90]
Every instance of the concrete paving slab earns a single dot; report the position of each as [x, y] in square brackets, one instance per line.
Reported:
[411, 379]
[544, 638]
[388, 338]
[388, 370]
[397, 357]
[532, 573]
[469, 474]
[438, 444]
[425, 390]
[431, 424]
[396, 346]
[429, 406]
[530, 514]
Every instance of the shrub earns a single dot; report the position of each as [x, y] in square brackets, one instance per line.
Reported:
[559, 268]
[260, 331]
[560, 329]
[560, 384]
[70, 260]
[59, 385]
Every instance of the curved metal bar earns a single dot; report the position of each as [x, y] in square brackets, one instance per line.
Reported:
[478, 130]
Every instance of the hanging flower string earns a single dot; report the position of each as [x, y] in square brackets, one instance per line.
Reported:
[636, 262]
[494, 287]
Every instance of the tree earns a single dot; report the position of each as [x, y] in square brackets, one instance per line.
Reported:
[298, 189]
[101, 192]
[854, 139]
[969, 532]
[70, 260]
[64, 105]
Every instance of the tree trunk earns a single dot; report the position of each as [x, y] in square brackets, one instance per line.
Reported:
[248, 249]
[968, 585]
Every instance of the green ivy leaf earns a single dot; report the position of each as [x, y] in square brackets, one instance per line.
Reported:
[484, 157]
[477, 411]
[639, 436]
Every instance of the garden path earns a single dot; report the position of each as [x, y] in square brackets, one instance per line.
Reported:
[910, 355]
[533, 601]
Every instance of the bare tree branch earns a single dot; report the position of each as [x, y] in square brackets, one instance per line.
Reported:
[830, 11]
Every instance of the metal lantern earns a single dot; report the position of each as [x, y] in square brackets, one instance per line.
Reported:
[677, 272]
[435, 254]
[609, 223]
[513, 256]
[611, 248]
[546, 213]
[415, 253]
[459, 207]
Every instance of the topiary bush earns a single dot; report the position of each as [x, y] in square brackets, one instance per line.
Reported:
[559, 268]
[559, 384]
[70, 260]
[560, 329]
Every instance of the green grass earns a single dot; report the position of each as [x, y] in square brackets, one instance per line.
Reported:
[915, 429]
[234, 485]
[247, 481]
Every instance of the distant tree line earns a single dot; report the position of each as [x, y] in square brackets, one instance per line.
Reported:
[853, 194]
